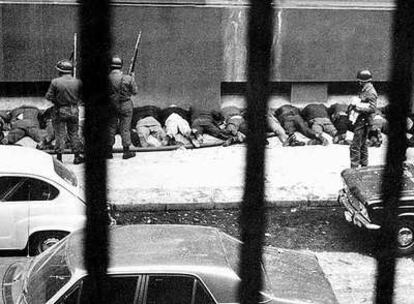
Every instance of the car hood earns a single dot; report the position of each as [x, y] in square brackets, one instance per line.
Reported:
[296, 277]
[365, 183]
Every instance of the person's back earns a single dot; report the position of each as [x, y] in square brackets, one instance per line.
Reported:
[286, 110]
[314, 110]
[65, 91]
[122, 87]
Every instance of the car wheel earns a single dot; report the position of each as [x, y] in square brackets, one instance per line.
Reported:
[405, 237]
[44, 240]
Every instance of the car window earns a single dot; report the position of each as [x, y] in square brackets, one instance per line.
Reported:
[169, 289]
[120, 290]
[201, 295]
[7, 183]
[164, 289]
[31, 189]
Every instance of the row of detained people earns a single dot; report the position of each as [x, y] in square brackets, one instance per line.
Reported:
[153, 126]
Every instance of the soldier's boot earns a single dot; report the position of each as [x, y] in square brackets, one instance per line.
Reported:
[59, 157]
[78, 159]
[127, 154]
[108, 153]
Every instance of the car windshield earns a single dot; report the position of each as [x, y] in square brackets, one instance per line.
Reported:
[232, 248]
[65, 173]
[49, 273]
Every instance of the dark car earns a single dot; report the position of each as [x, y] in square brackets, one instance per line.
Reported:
[364, 208]
[157, 264]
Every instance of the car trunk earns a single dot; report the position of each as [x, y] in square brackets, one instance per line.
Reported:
[296, 277]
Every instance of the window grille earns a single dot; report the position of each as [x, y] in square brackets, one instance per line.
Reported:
[95, 17]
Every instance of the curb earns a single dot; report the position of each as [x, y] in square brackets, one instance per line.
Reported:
[148, 207]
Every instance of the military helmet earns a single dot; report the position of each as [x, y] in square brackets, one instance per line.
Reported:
[364, 76]
[64, 66]
[116, 62]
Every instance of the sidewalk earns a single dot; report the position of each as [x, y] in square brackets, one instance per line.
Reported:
[214, 177]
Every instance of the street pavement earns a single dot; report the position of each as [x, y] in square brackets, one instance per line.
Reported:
[214, 177]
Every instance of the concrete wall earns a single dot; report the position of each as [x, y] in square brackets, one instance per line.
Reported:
[189, 48]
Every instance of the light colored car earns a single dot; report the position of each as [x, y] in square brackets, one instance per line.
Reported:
[165, 264]
[40, 200]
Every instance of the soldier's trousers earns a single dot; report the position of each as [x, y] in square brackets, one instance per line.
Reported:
[69, 125]
[123, 116]
[359, 147]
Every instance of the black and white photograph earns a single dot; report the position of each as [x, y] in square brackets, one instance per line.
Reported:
[206, 151]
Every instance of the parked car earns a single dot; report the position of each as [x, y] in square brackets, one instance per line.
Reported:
[40, 200]
[364, 208]
[157, 264]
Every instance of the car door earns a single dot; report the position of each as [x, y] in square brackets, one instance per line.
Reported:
[23, 199]
[174, 289]
[121, 289]
[13, 211]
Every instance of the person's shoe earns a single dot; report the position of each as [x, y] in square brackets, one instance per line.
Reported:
[59, 157]
[127, 154]
[171, 141]
[324, 141]
[195, 143]
[288, 142]
[78, 159]
[313, 142]
[228, 142]
[297, 143]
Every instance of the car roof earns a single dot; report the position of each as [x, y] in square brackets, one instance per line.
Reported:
[25, 160]
[167, 249]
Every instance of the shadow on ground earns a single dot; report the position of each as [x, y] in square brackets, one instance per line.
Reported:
[321, 229]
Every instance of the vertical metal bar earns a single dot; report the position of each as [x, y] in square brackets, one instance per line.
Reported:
[400, 94]
[252, 220]
[95, 41]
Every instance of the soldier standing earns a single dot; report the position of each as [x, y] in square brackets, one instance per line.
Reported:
[122, 87]
[364, 106]
[64, 93]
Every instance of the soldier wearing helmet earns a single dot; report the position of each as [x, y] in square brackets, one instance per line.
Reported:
[122, 87]
[64, 93]
[364, 106]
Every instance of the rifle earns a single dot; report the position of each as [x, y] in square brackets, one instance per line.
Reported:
[75, 50]
[134, 58]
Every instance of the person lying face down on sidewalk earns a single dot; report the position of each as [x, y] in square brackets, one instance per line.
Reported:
[146, 122]
[274, 126]
[24, 121]
[290, 119]
[317, 117]
[177, 122]
[381, 123]
[236, 125]
[209, 122]
[338, 113]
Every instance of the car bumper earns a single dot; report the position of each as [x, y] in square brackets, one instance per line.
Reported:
[353, 215]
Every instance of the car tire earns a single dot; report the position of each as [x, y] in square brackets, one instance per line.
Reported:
[405, 237]
[41, 241]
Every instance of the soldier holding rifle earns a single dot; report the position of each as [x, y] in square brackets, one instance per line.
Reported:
[122, 87]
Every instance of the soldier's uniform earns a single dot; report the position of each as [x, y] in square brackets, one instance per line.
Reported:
[64, 93]
[367, 106]
[122, 87]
